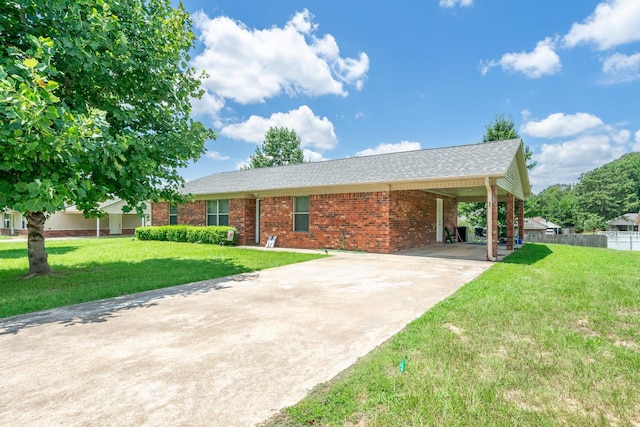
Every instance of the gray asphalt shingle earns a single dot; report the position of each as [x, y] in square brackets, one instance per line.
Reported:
[493, 158]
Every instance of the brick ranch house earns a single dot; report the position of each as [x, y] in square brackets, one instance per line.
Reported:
[382, 203]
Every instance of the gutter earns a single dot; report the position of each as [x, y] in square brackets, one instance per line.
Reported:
[490, 254]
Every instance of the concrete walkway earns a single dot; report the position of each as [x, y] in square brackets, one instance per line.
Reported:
[225, 352]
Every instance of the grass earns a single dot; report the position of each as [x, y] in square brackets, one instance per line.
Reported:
[550, 336]
[93, 269]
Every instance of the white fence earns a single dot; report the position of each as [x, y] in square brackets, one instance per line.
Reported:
[623, 240]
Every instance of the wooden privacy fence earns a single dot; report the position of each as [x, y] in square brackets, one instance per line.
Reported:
[590, 240]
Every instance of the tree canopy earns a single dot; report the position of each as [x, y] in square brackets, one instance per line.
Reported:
[95, 105]
[501, 129]
[281, 146]
[612, 189]
[600, 195]
[556, 203]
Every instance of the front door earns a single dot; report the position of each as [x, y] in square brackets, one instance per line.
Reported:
[115, 224]
[439, 220]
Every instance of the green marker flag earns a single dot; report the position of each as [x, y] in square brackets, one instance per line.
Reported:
[403, 364]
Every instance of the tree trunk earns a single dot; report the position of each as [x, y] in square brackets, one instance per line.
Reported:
[38, 264]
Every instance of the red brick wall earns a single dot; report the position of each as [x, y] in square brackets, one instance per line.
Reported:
[380, 222]
[160, 213]
[242, 216]
[351, 221]
[413, 218]
[450, 214]
[193, 213]
[188, 214]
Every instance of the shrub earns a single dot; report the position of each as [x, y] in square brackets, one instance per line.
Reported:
[188, 233]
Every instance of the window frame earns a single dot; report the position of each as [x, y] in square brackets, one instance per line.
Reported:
[300, 214]
[173, 217]
[218, 214]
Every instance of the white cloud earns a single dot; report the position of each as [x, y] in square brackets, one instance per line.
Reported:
[543, 60]
[621, 68]
[312, 156]
[613, 23]
[209, 105]
[251, 65]
[621, 137]
[390, 148]
[563, 163]
[243, 163]
[636, 138]
[216, 156]
[561, 125]
[452, 3]
[313, 131]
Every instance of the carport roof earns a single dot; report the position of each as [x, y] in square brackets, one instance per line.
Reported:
[491, 159]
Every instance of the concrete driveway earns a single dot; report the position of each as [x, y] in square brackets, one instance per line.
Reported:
[225, 352]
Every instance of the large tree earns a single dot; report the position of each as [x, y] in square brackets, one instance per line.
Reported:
[95, 104]
[281, 146]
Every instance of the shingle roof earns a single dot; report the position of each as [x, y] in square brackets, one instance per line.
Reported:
[486, 159]
[532, 224]
[545, 222]
[626, 219]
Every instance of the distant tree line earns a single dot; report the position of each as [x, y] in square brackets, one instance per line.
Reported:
[600, 195]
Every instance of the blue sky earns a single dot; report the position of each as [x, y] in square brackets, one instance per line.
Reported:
[356, 78]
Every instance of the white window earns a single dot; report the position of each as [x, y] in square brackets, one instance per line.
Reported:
[217, 212]
[173, 214]
[301, 214]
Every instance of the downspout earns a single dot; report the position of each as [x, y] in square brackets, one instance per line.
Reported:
[490, 254]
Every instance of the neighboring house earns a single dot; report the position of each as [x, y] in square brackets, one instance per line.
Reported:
[533, 227]
[382, 203]
[626, 222]
[70, 222]
[539, 225]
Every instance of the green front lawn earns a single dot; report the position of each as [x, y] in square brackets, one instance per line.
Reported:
[92, 269]
[550, 336]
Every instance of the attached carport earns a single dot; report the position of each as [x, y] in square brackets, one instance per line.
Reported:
[489, 173]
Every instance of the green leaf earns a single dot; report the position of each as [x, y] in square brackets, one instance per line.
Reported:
[30, 62]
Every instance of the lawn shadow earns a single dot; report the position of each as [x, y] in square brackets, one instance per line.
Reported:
[529, 254]
[108, 308]
[23, 252]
